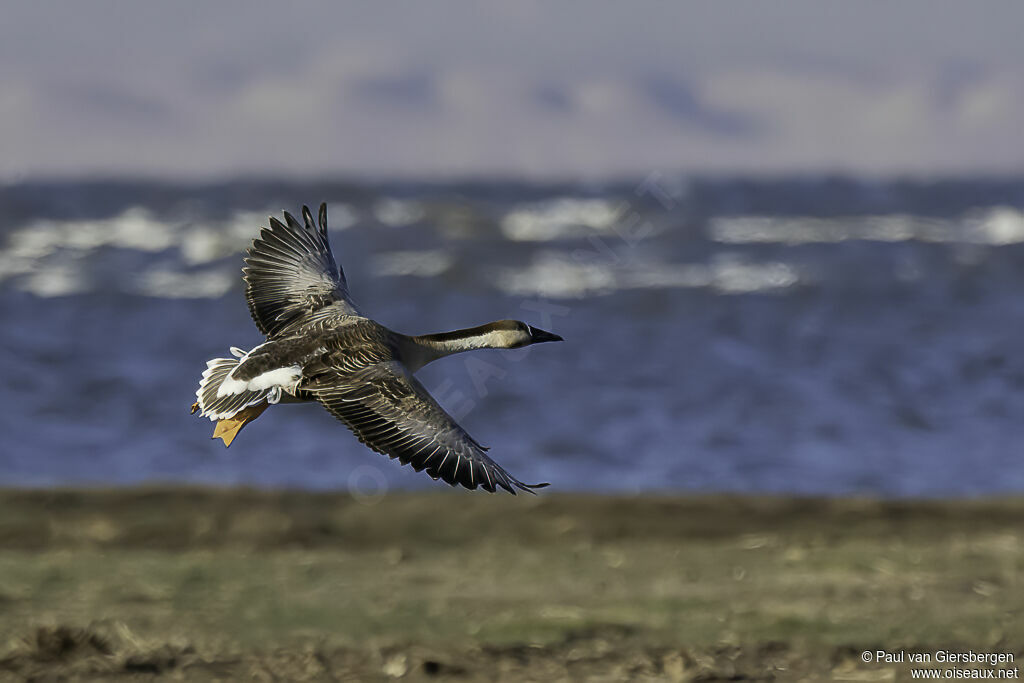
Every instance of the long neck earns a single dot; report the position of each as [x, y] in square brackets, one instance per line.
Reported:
[418, 351]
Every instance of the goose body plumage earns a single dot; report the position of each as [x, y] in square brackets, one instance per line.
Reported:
[321, 348]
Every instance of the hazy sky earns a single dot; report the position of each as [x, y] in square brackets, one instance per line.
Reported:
[542, 89]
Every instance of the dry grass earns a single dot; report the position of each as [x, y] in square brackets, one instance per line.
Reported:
[203, 584]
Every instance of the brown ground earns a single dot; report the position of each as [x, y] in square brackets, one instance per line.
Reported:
[203, 584]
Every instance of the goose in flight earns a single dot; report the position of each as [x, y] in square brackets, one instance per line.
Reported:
[321, 348]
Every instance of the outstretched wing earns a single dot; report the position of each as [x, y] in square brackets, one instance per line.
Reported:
[392, 413]
[291, 278]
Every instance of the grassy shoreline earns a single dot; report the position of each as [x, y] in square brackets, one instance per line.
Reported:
[205, 583]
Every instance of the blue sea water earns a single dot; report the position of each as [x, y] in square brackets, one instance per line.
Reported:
[815, 336]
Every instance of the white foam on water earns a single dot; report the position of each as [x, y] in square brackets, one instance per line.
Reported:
[200, 246]
[427, 263]
[396, 212]
[173, 284]
[561, 218]
[556, 275]
[995, 226]
[340, 216]
[38, 253]
[730, 274]
[60, 280]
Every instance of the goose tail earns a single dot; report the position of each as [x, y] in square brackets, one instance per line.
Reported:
[217, 405]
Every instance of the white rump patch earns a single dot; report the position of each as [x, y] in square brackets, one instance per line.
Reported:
[285, 378]
[281, 377]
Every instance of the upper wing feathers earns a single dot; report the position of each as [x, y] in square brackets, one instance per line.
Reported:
[392, 413]
[291, 277]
